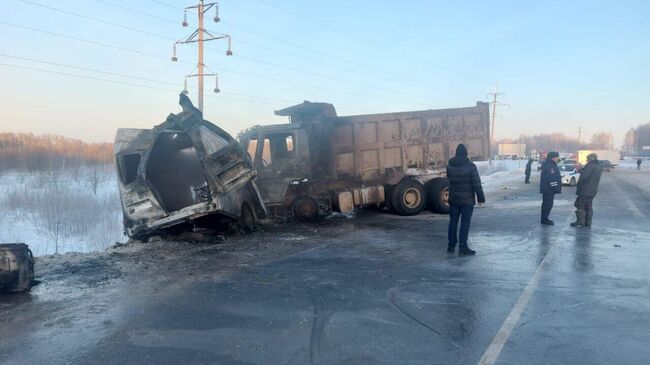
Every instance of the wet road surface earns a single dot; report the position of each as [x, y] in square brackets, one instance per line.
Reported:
[376, 289]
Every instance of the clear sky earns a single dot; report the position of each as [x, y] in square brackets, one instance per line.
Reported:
[561, 64]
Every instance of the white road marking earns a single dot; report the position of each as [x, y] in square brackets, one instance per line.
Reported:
[630, 204]
[494, 349]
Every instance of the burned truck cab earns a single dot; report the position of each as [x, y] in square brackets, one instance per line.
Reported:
[291, 158]
[181, 170]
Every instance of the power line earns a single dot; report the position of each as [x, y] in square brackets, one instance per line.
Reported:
[357, 37]
[240, 56]
[249, 74]
[280, 40]
[238, 96]
[126, 27]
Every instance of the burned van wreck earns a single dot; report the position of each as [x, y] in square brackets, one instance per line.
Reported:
[183, 170]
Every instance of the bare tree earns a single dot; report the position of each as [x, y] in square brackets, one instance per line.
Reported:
[93, 179]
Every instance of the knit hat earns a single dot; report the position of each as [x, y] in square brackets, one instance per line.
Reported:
[461, 150]
[552, 154]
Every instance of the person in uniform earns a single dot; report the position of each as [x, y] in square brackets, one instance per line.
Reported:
[586, 191]
[550, 184]
[529, 166]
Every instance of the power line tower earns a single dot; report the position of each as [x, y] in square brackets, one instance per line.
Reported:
[199, 37]
[579, 136]
[494, 96]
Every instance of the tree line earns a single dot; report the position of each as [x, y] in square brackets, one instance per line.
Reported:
[26, 151]
[560, 142]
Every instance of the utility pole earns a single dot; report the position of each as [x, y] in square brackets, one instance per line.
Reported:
[495, 95]
[199, 37]
[579, 135]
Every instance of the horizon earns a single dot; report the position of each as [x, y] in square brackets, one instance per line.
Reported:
[83, 69]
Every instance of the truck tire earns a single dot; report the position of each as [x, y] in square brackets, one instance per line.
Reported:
[388, 194]
[246, 221]
[305, 208]
[408, 197]
[438, 195]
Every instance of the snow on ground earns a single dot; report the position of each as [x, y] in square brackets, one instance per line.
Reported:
[501, 173]
[61, 211]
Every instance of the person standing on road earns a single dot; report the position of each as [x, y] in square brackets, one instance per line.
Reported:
[638, 164]
[529, 166]
[586, 191]
[550, 184]
[464, 190]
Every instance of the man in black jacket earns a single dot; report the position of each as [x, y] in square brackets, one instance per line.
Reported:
[586, 191]
[550, 184]
[464, 189]
[529, 167]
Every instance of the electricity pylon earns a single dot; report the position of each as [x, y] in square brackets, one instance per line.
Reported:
[199, 37]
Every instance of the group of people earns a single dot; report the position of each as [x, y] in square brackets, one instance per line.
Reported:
[465, 190]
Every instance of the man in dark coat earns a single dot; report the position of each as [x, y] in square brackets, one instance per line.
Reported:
[550, 184]
[638, 164]
[586, 191]
[529, 166]
[464, 189]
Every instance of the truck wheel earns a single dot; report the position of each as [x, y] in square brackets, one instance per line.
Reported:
[246, 219]
[388, 195]
[305, 208]
[438, 195]
[408, 197]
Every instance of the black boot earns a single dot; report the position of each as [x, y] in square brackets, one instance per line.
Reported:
[451, 249]
[580, 219]
[466, 251]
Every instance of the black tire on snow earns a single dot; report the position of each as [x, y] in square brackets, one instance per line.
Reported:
[408, 197]
[438, 195]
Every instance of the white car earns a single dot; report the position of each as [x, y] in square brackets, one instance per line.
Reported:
[570, 175]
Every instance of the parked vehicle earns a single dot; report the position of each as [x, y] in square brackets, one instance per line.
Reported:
[181, 170]
[569, 165]
[607, 165]
[320, 161]
[611, 155]
[570, 174]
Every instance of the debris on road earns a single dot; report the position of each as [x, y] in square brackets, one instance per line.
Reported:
[16, 267]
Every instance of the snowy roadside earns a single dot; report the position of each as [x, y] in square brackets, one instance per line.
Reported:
[61, 211]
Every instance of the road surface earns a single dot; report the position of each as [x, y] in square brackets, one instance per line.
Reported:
[373, 289]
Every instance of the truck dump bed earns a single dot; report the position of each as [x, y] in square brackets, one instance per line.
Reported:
[369, 145]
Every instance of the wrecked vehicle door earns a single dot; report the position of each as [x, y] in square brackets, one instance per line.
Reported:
[181, 170]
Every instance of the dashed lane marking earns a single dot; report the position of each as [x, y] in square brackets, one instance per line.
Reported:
[494, 349]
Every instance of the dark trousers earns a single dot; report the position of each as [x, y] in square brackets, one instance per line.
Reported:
[464, 214]
[584, 209]
[547, 205]
[527, 177]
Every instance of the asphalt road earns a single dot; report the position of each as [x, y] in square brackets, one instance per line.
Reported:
[374, 289]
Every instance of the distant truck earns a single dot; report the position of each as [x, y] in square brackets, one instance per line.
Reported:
[321, 161]
[511, 150]
[610, 155]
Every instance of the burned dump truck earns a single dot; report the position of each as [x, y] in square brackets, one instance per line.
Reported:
[320, 161]
[184, 170]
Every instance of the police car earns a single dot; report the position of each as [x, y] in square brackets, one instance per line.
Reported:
[570, 174]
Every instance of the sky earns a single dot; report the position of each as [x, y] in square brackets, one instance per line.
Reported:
[82, 69]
